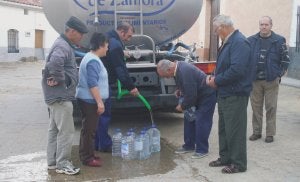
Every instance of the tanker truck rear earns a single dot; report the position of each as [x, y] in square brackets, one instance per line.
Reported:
[157, 24]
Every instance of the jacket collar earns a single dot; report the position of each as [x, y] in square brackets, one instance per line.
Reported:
[272, 37]
[63, 36]
[114, 34]
[232, 36]
[227, 40]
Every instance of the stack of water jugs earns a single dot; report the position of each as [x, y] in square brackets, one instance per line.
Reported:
[136, 146]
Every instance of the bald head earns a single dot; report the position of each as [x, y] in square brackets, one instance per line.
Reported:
[265, 26]
[266, 18]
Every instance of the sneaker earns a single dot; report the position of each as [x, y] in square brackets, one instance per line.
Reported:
[269, 139]
[68, 169]
[254, 137]
[52, 167]
[183, 150]
[197, 155]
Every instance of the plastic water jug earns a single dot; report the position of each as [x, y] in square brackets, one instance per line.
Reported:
[139, 146]
[146, 144]
[189, 114]
[133, 135]
[127, 147]
[150, 132]
[155, 139]
[116, 143]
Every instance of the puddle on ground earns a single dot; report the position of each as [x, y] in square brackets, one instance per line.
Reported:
[32, 167]
[27, 167]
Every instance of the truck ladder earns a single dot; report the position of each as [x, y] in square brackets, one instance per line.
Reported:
[140, 12]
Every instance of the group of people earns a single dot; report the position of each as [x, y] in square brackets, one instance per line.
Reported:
[91, 88]
[245, 67]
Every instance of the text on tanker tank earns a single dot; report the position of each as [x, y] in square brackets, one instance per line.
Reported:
[150, 7]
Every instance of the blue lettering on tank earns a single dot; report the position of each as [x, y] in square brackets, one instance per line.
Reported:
[158, 5]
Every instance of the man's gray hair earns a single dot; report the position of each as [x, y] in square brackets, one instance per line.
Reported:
[223, 20]
[163, 65]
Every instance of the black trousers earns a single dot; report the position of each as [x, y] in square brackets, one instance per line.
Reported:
[88, 130]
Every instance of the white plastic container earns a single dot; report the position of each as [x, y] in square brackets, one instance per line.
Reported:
[116, 143]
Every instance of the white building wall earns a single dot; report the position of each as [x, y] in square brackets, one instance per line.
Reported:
[292, 41]
[198, 33]
[41, 23]
[14, 18]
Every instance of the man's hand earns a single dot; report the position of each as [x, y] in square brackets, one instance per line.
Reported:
[134, 92]
[210, 81]
[177, 93]
[126, 54]
[51, 82]
[179, 108]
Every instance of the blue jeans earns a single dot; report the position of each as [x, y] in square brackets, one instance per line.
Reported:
[102, 139]
[196, 133]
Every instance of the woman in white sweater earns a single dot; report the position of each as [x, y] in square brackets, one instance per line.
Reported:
[91, 92]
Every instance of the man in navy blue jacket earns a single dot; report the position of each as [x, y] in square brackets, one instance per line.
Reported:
[270, 53]
[116, 68]
[233, 82]
[191, 83]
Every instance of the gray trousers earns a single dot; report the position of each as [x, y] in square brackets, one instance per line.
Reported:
[60, 133]
[264, 93]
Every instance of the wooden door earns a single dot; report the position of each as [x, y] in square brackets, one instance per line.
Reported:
[39, 38]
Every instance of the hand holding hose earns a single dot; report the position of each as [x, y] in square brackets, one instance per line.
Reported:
[134, 92]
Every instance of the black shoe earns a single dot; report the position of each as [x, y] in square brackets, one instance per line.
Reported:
[107, 150]
[269, 139]
[254, 137]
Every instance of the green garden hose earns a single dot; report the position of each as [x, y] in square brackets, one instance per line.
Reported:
[122, 92]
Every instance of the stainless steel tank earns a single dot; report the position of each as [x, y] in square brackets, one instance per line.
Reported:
[163, 20]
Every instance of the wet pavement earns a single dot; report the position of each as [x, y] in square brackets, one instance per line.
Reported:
[115, 168]
[32, 167]
[24, 124]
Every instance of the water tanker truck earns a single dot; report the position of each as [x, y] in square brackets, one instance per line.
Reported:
[157, 23]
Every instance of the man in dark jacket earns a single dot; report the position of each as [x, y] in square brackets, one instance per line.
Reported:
[191, 84]
[59, 83]
[269, 53]
[233, 82]
[116, 68]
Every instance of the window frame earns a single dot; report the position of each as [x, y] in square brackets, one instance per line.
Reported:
[13, 41]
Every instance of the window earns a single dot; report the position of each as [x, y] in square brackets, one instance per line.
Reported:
[298, 31]
[25, 11]
[13, 41]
